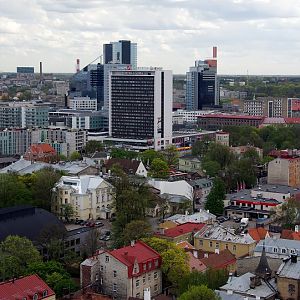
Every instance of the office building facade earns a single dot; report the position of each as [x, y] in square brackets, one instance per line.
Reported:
[202, 88]
[121, 52]
[140, 107]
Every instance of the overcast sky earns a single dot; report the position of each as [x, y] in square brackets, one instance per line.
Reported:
[261, 36]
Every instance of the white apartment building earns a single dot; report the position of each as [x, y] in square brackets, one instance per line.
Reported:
[91, 197]
[83, 103]
[191, 116]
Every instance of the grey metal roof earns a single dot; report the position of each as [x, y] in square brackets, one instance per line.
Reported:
[275, 188]
[226, 296]
[241, 285]
[272, 243]
[175, 198]
[289, 269]
[202, 182]
[246, 195]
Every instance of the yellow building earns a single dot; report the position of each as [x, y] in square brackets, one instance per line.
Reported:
[213, 238]
[91, 197]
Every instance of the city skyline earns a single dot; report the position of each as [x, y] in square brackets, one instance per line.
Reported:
[258, 36]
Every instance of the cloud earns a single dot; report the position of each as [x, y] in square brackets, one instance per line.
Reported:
[258, 35]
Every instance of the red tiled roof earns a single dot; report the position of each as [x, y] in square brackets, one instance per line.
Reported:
[41, 149]
[216, 116]
[258, 233]
[219, 261]
[290, 235]
[182, 229]
[24, 287]
[195, 263]
[139, 253]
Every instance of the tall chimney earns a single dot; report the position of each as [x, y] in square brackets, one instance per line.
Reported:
[41, 70]
[77, 65]
[214, 52]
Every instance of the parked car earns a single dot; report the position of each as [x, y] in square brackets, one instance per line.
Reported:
[226, 218]
[236, 219]
[221, 219]
[99, 224]
[107, 238]
[78, 222]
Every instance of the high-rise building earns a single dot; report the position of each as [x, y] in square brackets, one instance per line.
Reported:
[121, 52]
[140, 107]
[202, 88]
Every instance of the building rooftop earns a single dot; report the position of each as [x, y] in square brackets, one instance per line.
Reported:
[81, 184]
[289, 269]
[258, 233]
[139, 253]
[219, 260]
[127, 165]
[199, 217]
[220, 233]
[182, 229]
[271, 243]
[226, 116]
[175, 198]
[226, 296]
[241, 285]
[27, 221]
[290, 234]
[201, 183]
[25, 288]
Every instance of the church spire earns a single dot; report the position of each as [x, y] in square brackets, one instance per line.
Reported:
[263, 269]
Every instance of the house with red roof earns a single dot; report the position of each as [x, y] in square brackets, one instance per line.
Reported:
[180, 233]
[259, 233]
[41, 152]
[126, 272]
[30, 287]
[289, 234]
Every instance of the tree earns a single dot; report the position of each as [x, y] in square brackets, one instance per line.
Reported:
[159, 168]
[91, 243]
[219, 153]
[122, 153]
[75, 156]
[16, 253]
[135, 230]
[68, 211]
[93, 146]
[149, 155]
[215, 199]
[174, 259]
[171, 155]
[288, 214]
[200, 147]
[211, 168]
[42, 184]
[200, 292]
[213, 279]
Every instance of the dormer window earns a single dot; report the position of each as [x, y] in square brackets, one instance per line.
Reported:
[283, 250]
[275, 250]
[45, 293]
[35, 296]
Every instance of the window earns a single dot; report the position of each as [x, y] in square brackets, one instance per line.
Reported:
[35, 296]
[114, 287]
[217, 245]
[144, 267]
[137, 283]
[156, 263]
[138, 295]
[107, 258]
[292, 288]
[283, 250]
[144, 279]
[45, 293]
[115, 273]
[201, 242]
[155, 287]
[101, 268]
[77, 241]
[66, 192]
[210, 244]
[149, 277]
[275, 250]
[155, 275]
[226, 246]
[150, 265]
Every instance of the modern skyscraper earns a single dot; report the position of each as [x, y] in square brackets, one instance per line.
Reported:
[121, 52]
[140, 107]
[202, 88]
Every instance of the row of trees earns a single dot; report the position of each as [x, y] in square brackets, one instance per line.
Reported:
[34, 189]
[19, 257]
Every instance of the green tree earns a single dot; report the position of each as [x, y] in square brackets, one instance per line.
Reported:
[16, 253]
[174, 259]
[213, 279]
[159, 168]
[67, 211]
[91, 244]
[135, 230]
[122, 153]
[212, 168]
[75, 156]
[219, 153]
[200, 147]
[215, 199]
[93, 146]
[149, 155]
[42, 184]
[200, 292]
[171, 155]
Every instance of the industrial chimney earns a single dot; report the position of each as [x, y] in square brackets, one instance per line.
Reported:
[214, 52]
[41, 70]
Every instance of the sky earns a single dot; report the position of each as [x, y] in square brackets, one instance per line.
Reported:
[254, 36]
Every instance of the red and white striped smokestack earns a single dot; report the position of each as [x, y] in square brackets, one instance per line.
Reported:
[214, 52]
[77, 65]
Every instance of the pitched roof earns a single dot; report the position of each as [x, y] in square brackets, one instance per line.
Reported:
[290, 235]
[139, 253]
[219, 261]
[258, 233]
[185, 245]
[36, 149]
[195, 263]
[24, 287]
[182, 229]
[127, 165]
